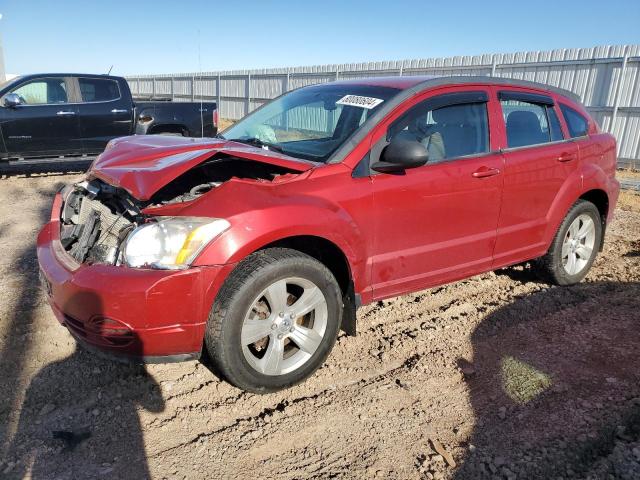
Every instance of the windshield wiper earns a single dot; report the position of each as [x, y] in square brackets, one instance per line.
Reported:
[256, 142]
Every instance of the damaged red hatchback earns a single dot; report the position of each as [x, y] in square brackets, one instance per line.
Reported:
[260, 244]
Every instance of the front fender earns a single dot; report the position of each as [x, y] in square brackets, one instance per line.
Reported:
[255, 229]
[261, 215]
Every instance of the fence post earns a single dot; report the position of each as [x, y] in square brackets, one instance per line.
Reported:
[153, 89]
[286, 81]
[172, 90]
[247, 106]
[193, 88]
[218, 95]
[618, 94]
[493, 65]
[401, 67]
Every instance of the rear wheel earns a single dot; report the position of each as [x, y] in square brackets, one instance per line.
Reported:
[574, 247]
[274, 321]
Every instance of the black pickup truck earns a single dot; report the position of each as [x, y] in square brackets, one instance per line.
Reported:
[61, 114]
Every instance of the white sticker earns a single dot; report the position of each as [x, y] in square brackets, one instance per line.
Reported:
[358, 101]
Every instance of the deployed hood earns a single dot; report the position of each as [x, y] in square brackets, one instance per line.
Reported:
[143, 164]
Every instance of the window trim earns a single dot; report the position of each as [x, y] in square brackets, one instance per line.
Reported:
[68, 90]
[528, 97]
[535, 145]
[79, 91]
[562, 105]
[551, 108]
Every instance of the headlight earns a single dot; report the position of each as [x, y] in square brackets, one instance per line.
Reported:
[171, 243]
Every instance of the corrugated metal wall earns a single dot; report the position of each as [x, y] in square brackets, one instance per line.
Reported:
[606, 78]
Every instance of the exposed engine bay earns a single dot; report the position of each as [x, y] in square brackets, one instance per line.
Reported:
[97, 217]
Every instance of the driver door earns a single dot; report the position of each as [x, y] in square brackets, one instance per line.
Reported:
[437, 223]
[46, 123]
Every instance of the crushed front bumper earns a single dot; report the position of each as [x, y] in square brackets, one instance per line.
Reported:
[141, 314]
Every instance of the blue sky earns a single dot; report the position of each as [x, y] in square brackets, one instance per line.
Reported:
[140, 36]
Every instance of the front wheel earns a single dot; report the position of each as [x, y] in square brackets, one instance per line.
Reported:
[274, 321]
[574, 247]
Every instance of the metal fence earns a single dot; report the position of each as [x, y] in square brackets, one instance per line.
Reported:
[606, 78]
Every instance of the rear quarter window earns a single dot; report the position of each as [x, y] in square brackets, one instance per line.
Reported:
[98, 89]
[576, 122]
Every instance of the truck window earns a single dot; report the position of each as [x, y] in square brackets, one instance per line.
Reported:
[98, 89]
[42, 91]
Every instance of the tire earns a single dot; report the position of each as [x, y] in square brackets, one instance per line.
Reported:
[248, 308]
[556, 266]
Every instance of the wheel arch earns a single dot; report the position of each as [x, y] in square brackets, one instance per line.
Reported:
[167, 128]
[331, 256]
[600, 199]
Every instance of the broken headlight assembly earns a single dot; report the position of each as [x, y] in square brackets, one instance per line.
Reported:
[170, 243]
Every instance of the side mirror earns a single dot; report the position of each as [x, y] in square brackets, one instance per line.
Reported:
[400, 155]
[12, 100]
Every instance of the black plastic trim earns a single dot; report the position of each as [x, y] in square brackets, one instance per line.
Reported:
[525, 97]
[139, 359]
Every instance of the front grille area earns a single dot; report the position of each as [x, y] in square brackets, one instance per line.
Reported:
[94, 224]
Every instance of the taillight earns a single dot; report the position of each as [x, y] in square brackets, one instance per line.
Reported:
[215, 118]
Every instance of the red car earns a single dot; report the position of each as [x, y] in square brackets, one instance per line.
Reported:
[260, 244]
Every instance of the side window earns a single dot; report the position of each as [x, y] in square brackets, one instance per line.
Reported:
[446, 131]
[43, 91]
[554, 123]
[578, 125]
[526, 123]
[98, 89]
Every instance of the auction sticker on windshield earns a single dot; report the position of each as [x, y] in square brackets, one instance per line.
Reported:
[358, 101]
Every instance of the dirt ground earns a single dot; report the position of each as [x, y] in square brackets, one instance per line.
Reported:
[500, 374]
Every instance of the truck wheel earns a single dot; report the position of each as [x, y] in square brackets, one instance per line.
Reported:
[574, 247]
[274, 320]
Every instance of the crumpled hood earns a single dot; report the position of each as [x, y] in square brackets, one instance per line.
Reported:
[143, 164]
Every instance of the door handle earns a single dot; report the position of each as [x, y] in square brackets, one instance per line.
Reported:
[484, 172]
[566, 157]
[65, 113]
[118, 110]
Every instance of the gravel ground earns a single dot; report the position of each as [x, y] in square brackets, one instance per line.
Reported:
[498, 376]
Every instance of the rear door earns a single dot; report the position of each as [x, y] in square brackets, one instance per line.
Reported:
[437, 223]
[538, 161]
[105, 112]
[46, 123]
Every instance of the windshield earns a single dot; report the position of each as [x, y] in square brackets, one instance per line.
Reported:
[312, 122]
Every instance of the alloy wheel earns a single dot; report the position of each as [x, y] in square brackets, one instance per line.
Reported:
[284, 326]
[578, 244]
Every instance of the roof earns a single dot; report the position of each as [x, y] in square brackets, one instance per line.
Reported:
[29, 76]
[428, 81]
